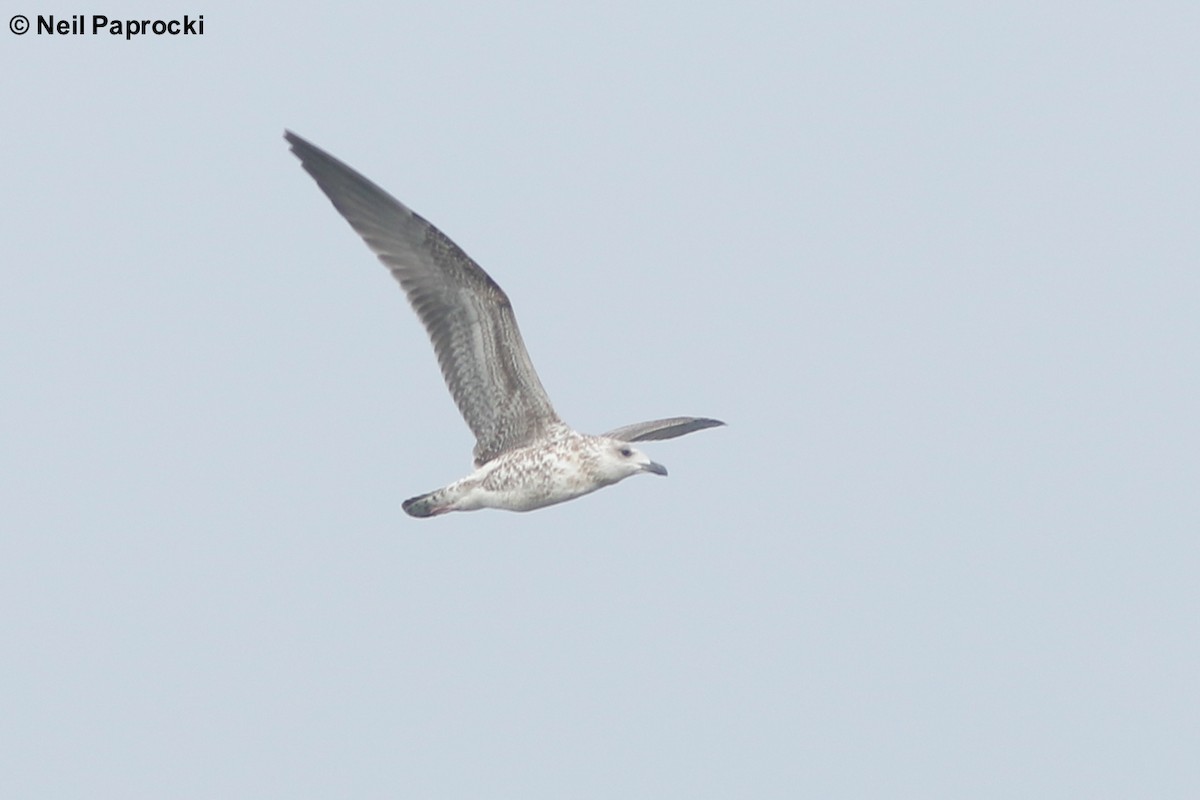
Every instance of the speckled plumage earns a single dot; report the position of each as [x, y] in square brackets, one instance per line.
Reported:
[525, 456]
[562, 465]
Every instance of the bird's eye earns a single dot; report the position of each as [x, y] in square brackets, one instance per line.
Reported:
[626, 452]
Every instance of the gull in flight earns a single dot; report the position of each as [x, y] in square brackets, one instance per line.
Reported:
[525, 456]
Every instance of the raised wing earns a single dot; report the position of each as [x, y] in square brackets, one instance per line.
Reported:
[662, 428]
[469, 318]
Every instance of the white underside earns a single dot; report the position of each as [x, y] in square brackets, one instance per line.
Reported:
[524, 492]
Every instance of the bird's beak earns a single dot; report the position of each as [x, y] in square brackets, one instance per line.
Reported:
[655, 467]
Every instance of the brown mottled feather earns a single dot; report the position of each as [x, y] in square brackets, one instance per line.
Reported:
[467, 315]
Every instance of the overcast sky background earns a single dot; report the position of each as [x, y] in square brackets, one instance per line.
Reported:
[937, 267]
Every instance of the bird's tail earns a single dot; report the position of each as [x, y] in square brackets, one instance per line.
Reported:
[425, 505]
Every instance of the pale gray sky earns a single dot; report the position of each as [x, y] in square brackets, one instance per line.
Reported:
[936, 267]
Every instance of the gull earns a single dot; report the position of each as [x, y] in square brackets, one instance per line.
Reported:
[525, 456]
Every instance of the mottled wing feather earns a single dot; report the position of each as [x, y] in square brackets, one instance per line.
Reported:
[662, 428]
[469, 318]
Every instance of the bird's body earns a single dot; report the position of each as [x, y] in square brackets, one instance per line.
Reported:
[525, 456]
[563, 465]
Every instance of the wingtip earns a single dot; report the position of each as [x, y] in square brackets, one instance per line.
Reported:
[296, 142]
[659, 429]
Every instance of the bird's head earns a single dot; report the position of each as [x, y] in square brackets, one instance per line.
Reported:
[618, 460]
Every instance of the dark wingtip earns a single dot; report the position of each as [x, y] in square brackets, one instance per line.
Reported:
[305, 150]
[683, 428]
[658, 429]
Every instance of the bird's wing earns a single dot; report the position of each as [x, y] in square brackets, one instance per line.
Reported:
[662, 428]
[469, 318]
